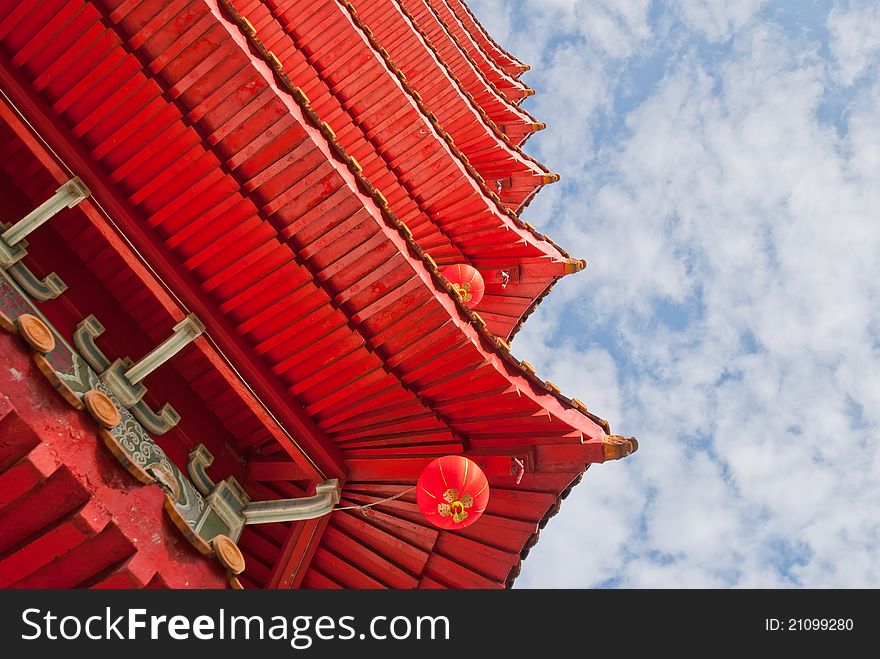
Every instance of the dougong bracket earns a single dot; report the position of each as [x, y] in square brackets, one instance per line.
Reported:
[87, 330]
[185, 332]
[67, 196]
[124, 377]
[44, 289]
[13, 246]
[229, 508]
[200, 458]
[157, 423]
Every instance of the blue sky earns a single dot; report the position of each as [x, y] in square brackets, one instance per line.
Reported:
[720, 166]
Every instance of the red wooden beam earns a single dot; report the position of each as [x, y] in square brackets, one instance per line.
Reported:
[296, 554]
[276, 471]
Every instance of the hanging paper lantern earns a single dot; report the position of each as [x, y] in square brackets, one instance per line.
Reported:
[468, 281]
[452, 492]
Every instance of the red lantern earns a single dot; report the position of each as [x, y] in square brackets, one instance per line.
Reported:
[468, 281]
[452, 492]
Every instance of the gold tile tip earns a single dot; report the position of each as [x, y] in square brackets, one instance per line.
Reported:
[615, 447]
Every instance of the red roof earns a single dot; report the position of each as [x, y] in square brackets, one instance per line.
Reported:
[421, 173]
[512, 174]
[515, 121]
[224, 175]
[504, 60]
[507, 85]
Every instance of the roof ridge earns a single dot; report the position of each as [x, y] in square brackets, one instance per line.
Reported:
[498, 345]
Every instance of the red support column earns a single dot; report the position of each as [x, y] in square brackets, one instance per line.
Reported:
[297, 553]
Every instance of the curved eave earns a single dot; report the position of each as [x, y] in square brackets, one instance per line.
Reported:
[456, 217]
[425, 269]
[511, 87]
[511, 173]
[502, 58]
[514, 120]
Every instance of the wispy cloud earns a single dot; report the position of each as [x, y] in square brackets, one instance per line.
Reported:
[721, 173]
[856, 33]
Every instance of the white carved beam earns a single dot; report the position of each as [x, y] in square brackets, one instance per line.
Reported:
[67, 196]
[185, 332]
[293, 510]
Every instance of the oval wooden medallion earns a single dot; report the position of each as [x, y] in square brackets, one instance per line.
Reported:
[228, 554]
[102, 408]
[36, 333]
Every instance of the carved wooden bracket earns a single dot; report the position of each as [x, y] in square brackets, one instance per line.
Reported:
[124, 377]
[13, 246]
[229, 504]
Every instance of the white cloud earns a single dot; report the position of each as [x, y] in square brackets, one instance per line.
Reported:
[718, 20]
[855, 33]
[729, 316]
[495, 17]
